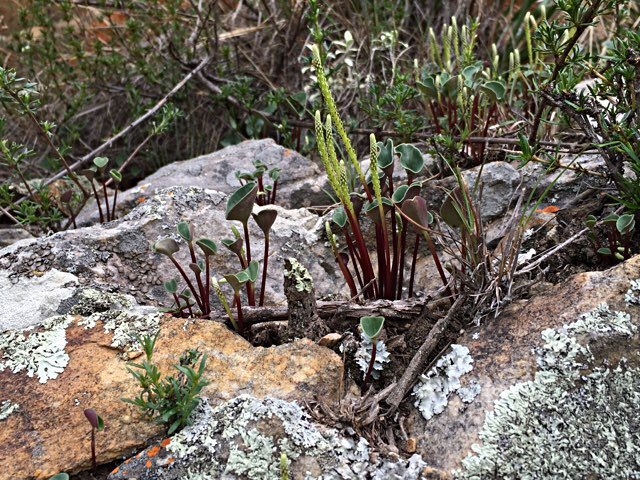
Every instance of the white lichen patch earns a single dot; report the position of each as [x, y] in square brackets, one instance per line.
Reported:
[632, 297]
[39, 353]
[363, 356]
[470, 392]
[567, 422]
[28, 301]
[245, 438]
[434, 387]
[7, 408]
[120, 315]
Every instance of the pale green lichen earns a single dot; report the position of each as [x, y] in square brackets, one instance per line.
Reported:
[40, 353]
[246, 437]
[632, 297]
[573, 420]
[119, 314]
[434, 387]
[300, 275]
[7, 408]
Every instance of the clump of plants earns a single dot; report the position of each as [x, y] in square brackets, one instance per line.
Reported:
[195, 299]
[169, 400]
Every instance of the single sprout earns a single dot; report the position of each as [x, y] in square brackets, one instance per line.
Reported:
[372, 327]
[97, 425]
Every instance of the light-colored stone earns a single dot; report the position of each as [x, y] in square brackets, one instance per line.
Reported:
[507, 353]
[118, 255]
[43, 429]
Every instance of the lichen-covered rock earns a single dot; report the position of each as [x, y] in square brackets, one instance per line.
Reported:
[117, 256]
[245, 438]
[554, 373]
[78, 358]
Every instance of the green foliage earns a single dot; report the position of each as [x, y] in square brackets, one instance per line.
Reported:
[169, 400]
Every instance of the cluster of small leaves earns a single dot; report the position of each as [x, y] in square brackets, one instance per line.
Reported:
[266, 194]
[170, 400]
[619, 230]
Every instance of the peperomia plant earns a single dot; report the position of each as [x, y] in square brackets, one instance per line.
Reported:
[372, 327]
[200, 293]
[98, 173]
[389, 206]
[619, 229]
[97, 425]
[266, 193]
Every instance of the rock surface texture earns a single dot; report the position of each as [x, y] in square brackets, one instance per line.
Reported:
[549, 388]
[300, 184]
[77, 359]
[117, 256]
[253, 439]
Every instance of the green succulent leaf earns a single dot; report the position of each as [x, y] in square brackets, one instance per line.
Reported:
[494, 90]
[185, 231]
[240, 203]
[100, 162]
[591, 221]
[60, 476]
[166, 246]
[450, 87]
[252, 270]
[207, 246]
[171, 286]
[410, 158]
[115, 175]
[604, 251]
[372, 210]
[274, 173]
[385, 156]
[339, 217]
[405, 192]
[428, 88]
[372, 326]
[625, 223]
[234, 245]
[451, 211]
[265, 218]
[416, 209]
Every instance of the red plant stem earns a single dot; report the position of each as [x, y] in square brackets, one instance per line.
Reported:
[247, 241]
[402, 246]
[353, 256]
[106, 200]
[367, 267]
[260, 198]
[177, 300]
[113, 204]
[436, 260]
[239, 310]
[251, 297]
[198, 278]
[393, 274]
[264, 268]
[414, 258]
[94, 464]
[382, 269]
[346, 274]
[372, 361]
[207, 300]
[189, 284]
[273, 192]
[95, 194]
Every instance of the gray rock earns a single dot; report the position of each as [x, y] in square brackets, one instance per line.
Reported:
[117, 256]
[554, 383]
[246, 438]
[12, 235]
[300, 185]
[500, 181]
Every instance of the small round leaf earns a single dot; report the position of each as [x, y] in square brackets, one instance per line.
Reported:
[372, 326]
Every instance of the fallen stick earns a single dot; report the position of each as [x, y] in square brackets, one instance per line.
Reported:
[422, 356]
